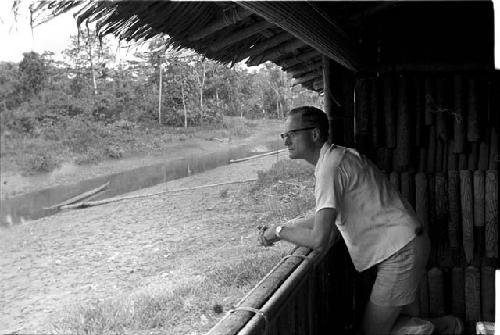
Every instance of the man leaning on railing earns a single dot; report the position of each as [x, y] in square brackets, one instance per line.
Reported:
[379, 227]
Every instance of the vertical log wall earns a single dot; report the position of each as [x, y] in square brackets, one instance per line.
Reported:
[436, 137]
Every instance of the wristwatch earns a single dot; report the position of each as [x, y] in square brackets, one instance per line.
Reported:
[278, 231]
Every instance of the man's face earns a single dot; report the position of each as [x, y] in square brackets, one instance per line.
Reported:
[298, 137]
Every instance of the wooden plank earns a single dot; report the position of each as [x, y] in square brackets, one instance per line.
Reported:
[421, 198]
[79, 197]
[452, 157]
[436, 292]
[422, 159]
[472, 112]
[453, 208]
[373, 111]
[403, 132]
[267, 44]
[472, 294]
[419, 96]
[431, 150]
[408, 187]
[472, 157]
[441, 127]
[467, 214]
[441, 207]
[491, 213]
[494, 158]
[423, 296]
[458, 115]
[458, 292]
[429, 101]
[439, 164]
[478, 189]
[488, 293]
[483, 156]
[389, 115]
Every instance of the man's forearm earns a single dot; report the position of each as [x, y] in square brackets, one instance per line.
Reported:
[307, 223]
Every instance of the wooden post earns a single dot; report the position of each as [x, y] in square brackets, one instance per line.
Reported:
[332, 105]
[441, 129]
[488, 293]
[423, 296]
[467, 214]
[472, 295]
[453, 207]
[458, 292]
[478, 187]
[472, 113]
[452, 157]
[483, 156]
[491, 213]
[403, 145]
[389, 117]
[421, 197]
[419, 113]
[472, 158]
[431, 153]
[362, 117]
[494, 158]
[458, 115]
[373, 111]
[441, 206]
[436, 293]
[408, 187]
[429, 102]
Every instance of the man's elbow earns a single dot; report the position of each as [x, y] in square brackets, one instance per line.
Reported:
[320, 245]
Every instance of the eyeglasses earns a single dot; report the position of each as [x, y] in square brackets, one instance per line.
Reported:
[291, 133]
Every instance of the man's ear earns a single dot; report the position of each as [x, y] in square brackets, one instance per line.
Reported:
[316, 134]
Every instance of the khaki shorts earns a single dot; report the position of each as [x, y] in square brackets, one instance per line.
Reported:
[399, 275]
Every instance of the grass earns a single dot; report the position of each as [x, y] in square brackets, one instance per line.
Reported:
[225, 273]
[80, 142]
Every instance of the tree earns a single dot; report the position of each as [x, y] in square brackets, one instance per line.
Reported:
[32, 74]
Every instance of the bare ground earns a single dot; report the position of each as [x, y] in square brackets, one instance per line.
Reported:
[120, 249]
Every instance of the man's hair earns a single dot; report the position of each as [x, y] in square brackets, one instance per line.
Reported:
[314, 117]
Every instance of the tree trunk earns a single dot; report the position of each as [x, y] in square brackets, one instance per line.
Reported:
[184, 104]
[159, 92]
[92, 72]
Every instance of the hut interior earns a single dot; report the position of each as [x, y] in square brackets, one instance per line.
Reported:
[410, 84]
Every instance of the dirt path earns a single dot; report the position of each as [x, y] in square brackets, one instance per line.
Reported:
[122, 248]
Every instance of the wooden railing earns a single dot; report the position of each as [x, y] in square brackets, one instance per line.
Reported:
[306, 293]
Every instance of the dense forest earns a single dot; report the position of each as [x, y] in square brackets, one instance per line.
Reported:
[81, 106]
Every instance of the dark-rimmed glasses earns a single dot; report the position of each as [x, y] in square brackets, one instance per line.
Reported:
[291, 133]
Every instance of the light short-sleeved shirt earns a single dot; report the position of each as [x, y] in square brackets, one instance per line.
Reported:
[373, 218]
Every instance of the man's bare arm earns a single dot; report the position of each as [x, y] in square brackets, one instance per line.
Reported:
[323, 231]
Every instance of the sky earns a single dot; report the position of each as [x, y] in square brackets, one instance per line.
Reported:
[54, 35]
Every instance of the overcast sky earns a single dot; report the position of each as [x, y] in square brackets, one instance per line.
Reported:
[54, 35]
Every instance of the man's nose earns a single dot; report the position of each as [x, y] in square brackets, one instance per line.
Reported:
[287, 140]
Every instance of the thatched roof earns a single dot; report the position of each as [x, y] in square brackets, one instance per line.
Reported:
[295, 35]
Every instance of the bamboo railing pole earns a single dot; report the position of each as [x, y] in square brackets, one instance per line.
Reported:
[389, 116]
[472, 295]
[421, 197]
[458, 292]
[403, 145]
[459, 115]
[467, 214]
[436, 292]
[453, 208]
[488, 293]
[491, 213]
[472, 113]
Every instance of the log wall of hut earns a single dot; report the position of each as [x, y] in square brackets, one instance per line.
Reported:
[436, 137]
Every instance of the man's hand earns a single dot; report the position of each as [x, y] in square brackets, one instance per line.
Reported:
[267, 236]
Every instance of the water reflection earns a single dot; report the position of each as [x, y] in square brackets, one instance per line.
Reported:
[31, 206]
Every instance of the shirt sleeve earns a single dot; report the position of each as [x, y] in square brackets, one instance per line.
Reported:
[329, 185]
